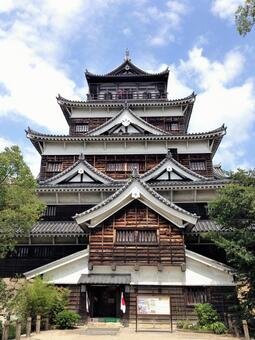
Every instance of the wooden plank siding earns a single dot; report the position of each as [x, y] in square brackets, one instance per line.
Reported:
[146, 162]
[91, 122]
[168, 251]
[222, 298]
[163, 123]
[160, 122]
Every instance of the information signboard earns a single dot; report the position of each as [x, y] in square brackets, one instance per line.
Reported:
[153, 305]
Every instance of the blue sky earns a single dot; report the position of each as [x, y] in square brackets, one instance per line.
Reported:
[46, 45]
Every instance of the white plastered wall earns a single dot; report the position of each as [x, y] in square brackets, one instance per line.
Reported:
[196, 274]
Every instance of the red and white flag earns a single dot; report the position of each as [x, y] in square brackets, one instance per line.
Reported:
[122, 303]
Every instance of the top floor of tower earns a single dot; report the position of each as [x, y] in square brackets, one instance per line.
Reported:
[127, 82]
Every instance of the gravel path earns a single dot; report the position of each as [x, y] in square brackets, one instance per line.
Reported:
[124, 334]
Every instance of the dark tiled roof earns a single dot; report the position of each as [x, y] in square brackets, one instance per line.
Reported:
[162, 132]
[170, 102]
[132, 70]
[184, 168]
[205, 226]
[105, 278]
[218, 172]
[79, 161]
[219, 132]
[55, 228]
[135, 177]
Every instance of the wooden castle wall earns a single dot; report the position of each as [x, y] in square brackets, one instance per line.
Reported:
[146, 162]
[105, 250]
[160, 122]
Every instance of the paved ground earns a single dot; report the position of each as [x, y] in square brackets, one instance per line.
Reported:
[125, 334]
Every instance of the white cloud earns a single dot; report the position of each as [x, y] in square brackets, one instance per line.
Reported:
[33, 35]
[4, 143]
[32, 159]
[221, 99]
[31, 43]
[225, 9]
[166, 20]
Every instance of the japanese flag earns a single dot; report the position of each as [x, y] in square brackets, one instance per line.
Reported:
[122, 303]
[87, 302]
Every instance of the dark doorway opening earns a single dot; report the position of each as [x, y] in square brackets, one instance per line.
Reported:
[105, 301]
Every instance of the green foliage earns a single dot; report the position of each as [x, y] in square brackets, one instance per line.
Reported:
[206, 314]
[218, 327]
[59, 304]
[245, 17]
[208, 320]
[40, 298]
[67, 319]
[8, 297]
[234, 210]
[19, 205]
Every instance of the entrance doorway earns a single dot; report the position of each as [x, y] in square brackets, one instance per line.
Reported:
[105, 301]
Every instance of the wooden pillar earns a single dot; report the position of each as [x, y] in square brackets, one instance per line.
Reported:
[18, 329]
[47, 322]
[38, 324]
[28, 327]
[246, 330]
[5, 334]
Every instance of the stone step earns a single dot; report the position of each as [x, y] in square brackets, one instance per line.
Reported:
[110, 325]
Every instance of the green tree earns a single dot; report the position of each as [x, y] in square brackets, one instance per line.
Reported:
[19, 205]
[245, 17]
[234, 210]
[38, 297]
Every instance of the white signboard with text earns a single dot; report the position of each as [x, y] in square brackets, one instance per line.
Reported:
[153, 305]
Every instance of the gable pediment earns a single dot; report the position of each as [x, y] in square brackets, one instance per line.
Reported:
[135, 189]
[126, 122]
[170, 169]
[80, 172]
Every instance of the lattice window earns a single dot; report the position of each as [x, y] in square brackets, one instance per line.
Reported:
[125, 236]
[197, 165]
[54, 167]
[50, 211]
[131, 166]
[196, 295]
[136, 236]
[124, 166]
[174, 126]
[170, 126]
[147, 236]
[81, 128]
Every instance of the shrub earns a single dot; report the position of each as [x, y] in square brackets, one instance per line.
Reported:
[40, 298]
[67, 319]
[59, 303]
[180, 324]
[218, 327]
[206, 314]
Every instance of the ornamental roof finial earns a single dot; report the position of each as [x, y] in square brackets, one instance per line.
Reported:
[135, 173]
[81, 157]
[127, 55]
[169, 154]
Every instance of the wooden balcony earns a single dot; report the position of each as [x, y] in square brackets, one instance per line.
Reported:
[127, 95]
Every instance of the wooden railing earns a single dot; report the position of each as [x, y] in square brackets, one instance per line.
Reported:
[127, 95]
